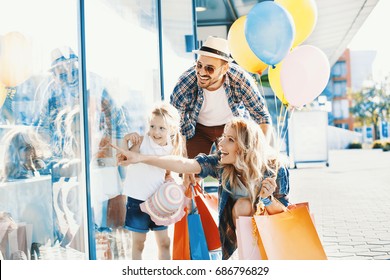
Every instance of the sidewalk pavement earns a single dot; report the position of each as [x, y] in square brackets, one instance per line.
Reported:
[350, 201]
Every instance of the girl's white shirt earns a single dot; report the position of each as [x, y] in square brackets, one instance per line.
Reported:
[143, 180]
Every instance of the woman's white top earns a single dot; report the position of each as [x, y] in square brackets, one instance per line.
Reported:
[143, 180]
[240, 191]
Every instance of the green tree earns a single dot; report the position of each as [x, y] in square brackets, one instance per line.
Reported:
[371, 105]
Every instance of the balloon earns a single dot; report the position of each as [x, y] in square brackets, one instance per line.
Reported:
[274, 81]
[269, 31]
[3, 94]
[304, 75]
[304, 14]
[240, 49]
[15, 59]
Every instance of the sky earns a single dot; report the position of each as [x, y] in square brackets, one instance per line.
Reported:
[374, 35]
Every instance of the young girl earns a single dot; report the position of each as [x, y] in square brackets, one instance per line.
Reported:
[142, 181]
[248, 171]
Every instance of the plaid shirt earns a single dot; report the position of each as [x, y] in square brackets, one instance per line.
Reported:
[241, 91]
[110, 119]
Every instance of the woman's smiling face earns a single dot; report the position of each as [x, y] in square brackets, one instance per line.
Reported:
[227, 146]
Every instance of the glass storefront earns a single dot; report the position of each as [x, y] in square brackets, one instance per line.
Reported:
[75, 76]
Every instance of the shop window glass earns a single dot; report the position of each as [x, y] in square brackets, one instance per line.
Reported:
[178, 41]
[123, 80]
[42, 190]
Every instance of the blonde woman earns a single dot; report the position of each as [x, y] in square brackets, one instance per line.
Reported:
[25, 152]
[248, 173]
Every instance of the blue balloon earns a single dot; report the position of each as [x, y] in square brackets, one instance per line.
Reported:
[269, 31]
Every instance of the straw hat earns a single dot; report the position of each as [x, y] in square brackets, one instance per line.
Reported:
[61, 54]
[166, 205]
[215, 47]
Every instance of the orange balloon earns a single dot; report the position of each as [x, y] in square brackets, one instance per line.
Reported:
[275, 82]
[240, 49]
[15, 59]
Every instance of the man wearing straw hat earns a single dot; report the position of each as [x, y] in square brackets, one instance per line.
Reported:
[211, 92]
[63, 92]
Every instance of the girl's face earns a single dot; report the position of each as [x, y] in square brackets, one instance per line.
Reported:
[158, 130]
[228, 146]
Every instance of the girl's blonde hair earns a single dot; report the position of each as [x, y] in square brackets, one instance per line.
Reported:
[172, 119]
[67, 124]
[255, 157]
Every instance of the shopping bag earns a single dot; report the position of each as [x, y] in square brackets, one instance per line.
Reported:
[207, 209]
[198, 244]
[181, 240]
[116, 211]
[211, 201]
[247, 239]
[302, 204]
[289, 235]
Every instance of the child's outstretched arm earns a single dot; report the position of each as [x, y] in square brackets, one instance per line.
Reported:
[176, 164]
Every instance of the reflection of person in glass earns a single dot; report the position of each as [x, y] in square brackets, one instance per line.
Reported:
[106, 119]
[62, 91]
[24, 154]
[61, 95]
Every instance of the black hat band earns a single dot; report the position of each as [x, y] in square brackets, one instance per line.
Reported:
[207, 49]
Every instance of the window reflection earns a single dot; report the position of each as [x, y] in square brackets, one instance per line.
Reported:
[41, 191]
[42, 177]
[127, 62]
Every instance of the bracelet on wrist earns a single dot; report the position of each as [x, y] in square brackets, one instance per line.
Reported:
[266, 200]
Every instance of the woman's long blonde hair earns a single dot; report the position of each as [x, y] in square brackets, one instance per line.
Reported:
[24, 150]
[172, 118]
[255, 157]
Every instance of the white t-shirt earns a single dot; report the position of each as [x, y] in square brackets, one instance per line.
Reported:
[215, 108]
[143, 180]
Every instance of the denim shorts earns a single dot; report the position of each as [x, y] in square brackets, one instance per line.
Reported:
[139, 221]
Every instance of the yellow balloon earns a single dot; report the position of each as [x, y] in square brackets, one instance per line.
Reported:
[240, 49]
[274, 81]
[304, 13]
[3, 94]
[15, 59]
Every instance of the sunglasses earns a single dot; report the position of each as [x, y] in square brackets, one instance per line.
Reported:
[208, 68]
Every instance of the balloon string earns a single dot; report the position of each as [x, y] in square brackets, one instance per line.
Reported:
[262, 92]
[279, 120]
[261, 88]
[285, 132]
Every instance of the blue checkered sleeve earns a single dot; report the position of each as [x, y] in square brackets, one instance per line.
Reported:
[244, 89]
[184, 99]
